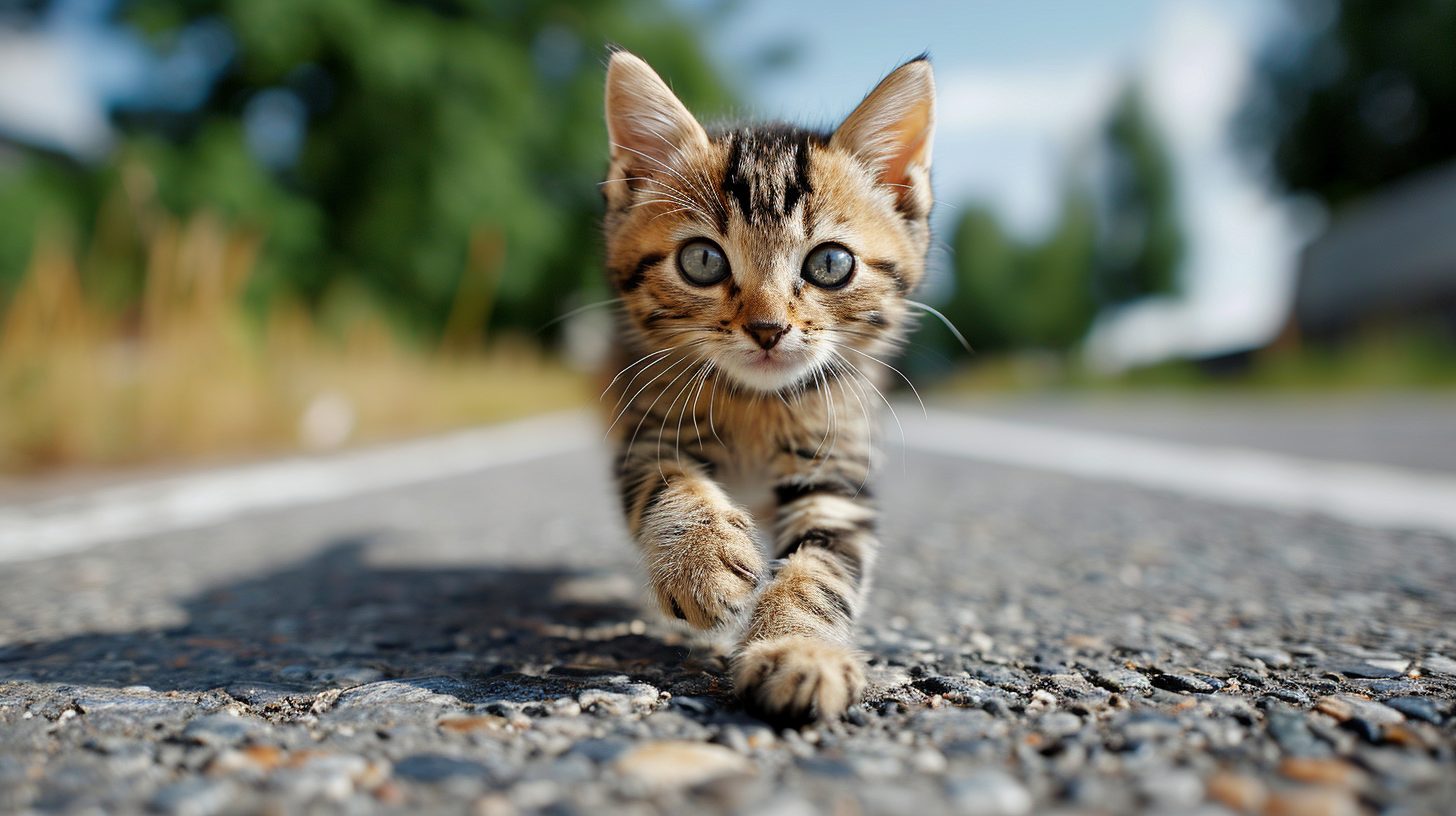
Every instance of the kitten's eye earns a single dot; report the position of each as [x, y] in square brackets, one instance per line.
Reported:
[828, 266]
[702, 263]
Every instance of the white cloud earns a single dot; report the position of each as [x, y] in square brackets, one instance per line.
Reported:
[1062, 103]
[46, 98]
[1241, 243]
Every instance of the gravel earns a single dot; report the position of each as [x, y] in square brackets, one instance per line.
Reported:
[480, 645]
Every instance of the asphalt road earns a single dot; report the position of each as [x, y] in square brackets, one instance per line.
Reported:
[478, 643]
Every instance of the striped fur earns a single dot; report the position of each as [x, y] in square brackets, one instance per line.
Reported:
[757, 396]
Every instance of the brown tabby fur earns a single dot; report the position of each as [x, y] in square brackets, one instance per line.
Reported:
[702, 408]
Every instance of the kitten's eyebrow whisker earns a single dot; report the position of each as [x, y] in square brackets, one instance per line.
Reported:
[675, 148]
[669, 168]
[668, 190]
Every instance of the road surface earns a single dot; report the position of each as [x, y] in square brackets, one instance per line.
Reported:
[1089, 638]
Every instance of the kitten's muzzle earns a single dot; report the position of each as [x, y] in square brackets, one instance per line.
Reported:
[766, 333]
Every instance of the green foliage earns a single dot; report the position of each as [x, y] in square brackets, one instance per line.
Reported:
[1114, 242]
[1141, 242]
[1012, 294]
[1364, 99]
[451, 159]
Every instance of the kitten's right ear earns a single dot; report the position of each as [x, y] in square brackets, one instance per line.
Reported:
[892, 130]
[646, 124]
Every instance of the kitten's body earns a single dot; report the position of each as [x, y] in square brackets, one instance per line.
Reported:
[749, 358]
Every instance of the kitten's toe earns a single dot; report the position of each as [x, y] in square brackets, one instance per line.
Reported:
[710, 595]
[796, 680]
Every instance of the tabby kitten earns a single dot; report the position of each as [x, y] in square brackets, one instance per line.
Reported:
[763, 272]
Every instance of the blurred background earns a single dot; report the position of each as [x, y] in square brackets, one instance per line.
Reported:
[231, 228]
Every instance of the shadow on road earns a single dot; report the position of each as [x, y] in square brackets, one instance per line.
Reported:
[335, 621]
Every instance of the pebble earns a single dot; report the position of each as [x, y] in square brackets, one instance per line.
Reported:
[469, 724]
[1004, 677]
[250, 759]
[1238, 792]
[989, 792]
[196, 797]
[429, 768]
[1403, 766]
[1273, 657]
[929, 761]
[1124, 680]
[1400, 686]
[1345, 707]
[958, 690]
[1059, 724]
[1291, 731]
[601, 750]
[224, 729]
[1171, 789]
[386, 693]
[1421, 708]
[1360, 668]
[1439, 664]
[1185, 683]
[671, 764]
[1322, 770]
[1314, 801]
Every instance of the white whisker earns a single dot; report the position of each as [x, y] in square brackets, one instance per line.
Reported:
[902, 376]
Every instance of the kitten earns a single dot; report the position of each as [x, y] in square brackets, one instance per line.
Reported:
[763, 272]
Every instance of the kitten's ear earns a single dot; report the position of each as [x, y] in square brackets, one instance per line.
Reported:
[892, 128]
[646, 124]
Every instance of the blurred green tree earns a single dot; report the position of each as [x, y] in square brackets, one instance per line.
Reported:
[440, 155]
[1117, 239]
[1140, 243]
[1012, 294]
[1364, 93]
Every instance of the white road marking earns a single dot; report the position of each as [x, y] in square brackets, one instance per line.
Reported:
[75, 523]
[1369, 495]
[1363, 494]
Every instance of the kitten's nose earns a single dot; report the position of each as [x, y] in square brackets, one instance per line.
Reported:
[766, 332]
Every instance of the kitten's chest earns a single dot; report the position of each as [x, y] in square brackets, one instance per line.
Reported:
[750, 485]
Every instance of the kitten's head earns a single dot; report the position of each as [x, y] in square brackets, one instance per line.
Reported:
[769, 251]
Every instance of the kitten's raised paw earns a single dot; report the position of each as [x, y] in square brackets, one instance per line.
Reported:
[708, 572]
[796, 680]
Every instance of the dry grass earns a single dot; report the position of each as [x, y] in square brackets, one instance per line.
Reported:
[188, 375]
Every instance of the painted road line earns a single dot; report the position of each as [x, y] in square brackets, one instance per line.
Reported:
[149, 508]
[1358, 493]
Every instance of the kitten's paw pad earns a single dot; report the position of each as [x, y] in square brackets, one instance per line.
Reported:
[796, 680]
[709, 573]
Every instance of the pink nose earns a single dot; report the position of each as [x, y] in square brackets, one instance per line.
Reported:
[766, 333]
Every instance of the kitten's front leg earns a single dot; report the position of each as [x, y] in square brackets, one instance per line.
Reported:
[698, 546]
[798, 662]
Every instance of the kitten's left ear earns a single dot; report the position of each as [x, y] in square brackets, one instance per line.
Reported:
[646, 123]
[892, 130]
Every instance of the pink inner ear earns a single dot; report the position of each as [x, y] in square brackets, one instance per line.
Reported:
[909, 152]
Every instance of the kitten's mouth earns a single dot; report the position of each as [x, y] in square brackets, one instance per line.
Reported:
[770, 370]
